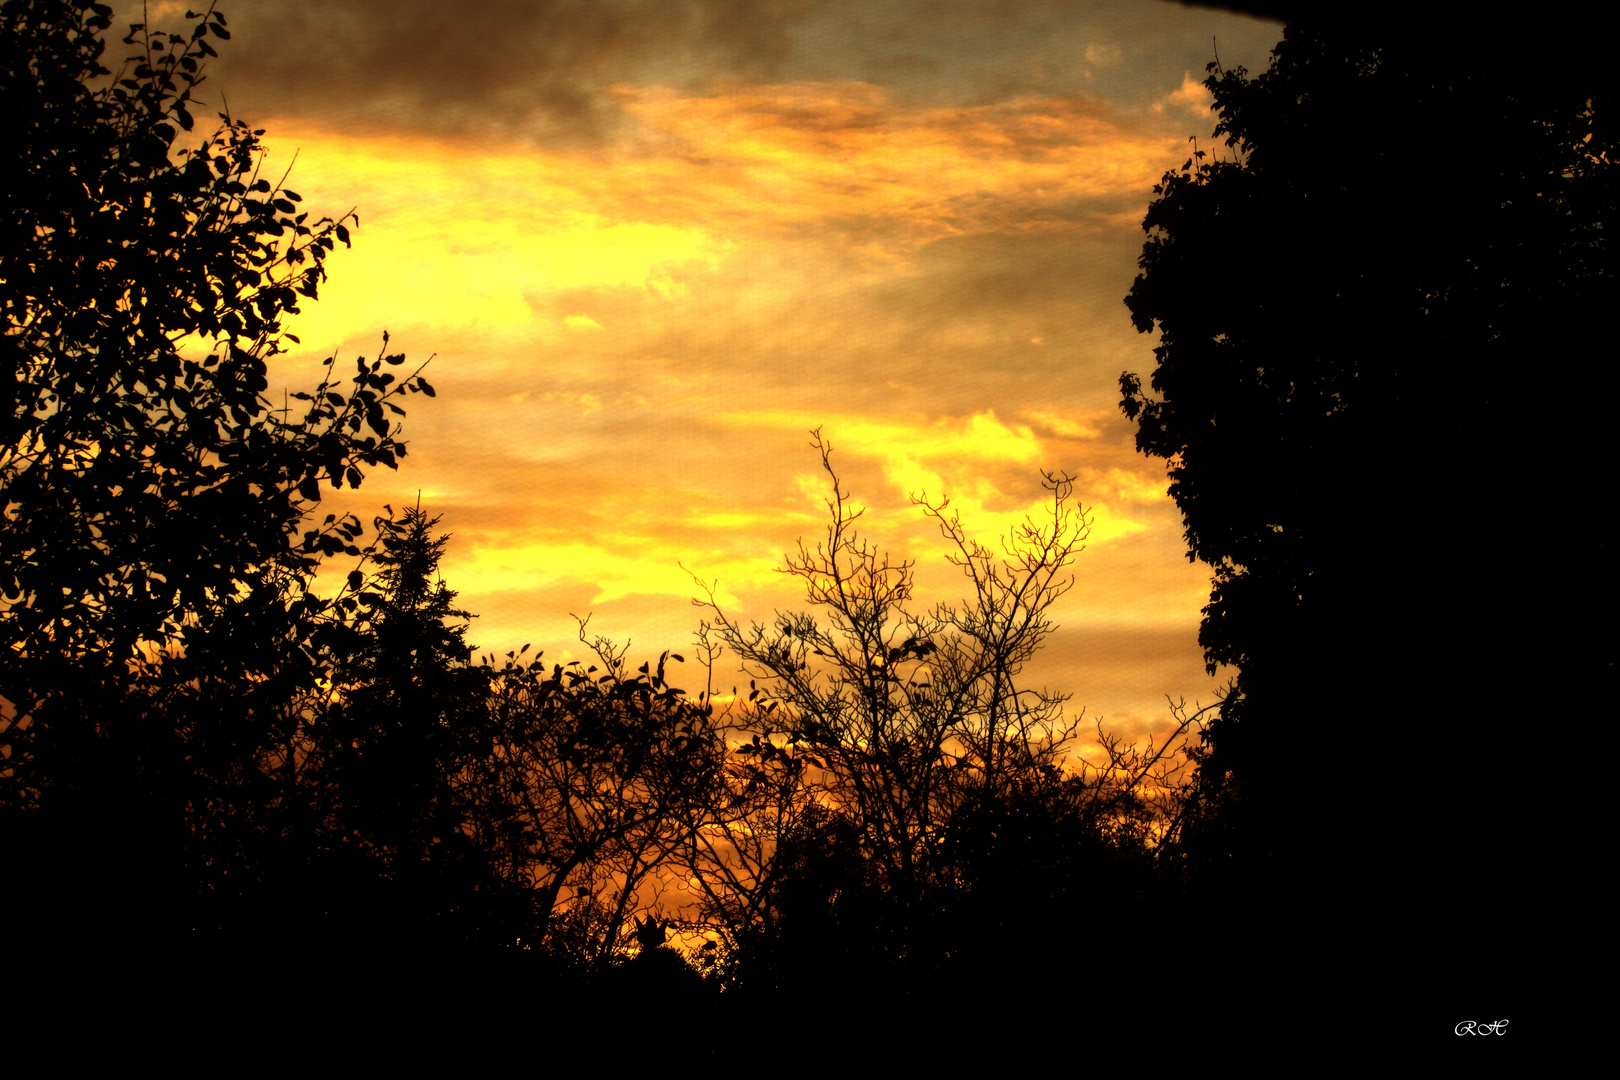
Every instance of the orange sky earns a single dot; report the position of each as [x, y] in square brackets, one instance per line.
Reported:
[652, 245]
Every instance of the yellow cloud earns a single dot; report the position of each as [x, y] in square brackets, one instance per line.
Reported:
[654, 570]
[739, 521]
[954, 457]
[1067, 427]
[980, 437]
[1192, 95]
[819, 151]
[471, 239]
[1124, 485]
[462, 237]
[484, 280]
[587, 403]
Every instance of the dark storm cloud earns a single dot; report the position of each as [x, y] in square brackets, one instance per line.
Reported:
[511, 67]
[981, 51]
[542, 69]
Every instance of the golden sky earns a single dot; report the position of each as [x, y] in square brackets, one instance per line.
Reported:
[652, 244]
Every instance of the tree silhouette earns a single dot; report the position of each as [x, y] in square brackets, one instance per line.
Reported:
[154, 555]
[889, 771]
[1350, 307]
[592, 776]
[388, 749]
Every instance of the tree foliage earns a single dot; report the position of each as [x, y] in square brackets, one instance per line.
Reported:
[1312, 300]
[147, 481]
[379, 767]
[590, 783]
[155, 548]
[1360, 303]
[897, 796]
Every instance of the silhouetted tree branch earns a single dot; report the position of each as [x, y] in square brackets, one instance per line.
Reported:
[877, 745]
[590, 784]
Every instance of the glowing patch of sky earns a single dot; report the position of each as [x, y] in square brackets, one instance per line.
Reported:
[651, 247]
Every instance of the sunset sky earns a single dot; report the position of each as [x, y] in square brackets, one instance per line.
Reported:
[652, 244]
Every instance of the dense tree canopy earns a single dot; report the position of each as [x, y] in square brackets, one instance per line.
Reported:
[1365, 303]
[155, 552]
[145, 473]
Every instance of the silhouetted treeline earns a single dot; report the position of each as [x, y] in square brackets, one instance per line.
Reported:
[1381, 310]
[156, 545]
[904, 819]
[208, 763]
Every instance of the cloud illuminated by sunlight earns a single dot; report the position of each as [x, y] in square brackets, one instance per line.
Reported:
[614, 574]
[844, 152]
[957, 458]
[980, 437]
[479, 238]
[1192, 95]
[1069, 427]
[467, 238]
[592, 305]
